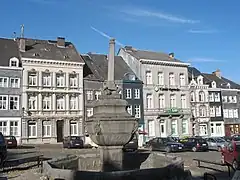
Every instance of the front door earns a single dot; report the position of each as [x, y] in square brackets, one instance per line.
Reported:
[60, 130]
[162, 129]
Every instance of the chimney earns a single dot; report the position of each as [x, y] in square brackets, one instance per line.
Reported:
[22, 45]
[61, 41]
[171, 55]
[217, 73]
[111, 60]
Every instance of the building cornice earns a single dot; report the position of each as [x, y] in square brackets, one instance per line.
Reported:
[168, 63]
[11, 68]
[230, 89]
[50, 61]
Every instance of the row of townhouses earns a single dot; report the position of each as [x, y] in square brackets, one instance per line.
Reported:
[47, 89]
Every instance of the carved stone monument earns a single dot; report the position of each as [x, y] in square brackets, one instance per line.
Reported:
[111, 126]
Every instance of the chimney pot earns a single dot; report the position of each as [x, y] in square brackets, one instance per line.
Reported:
[217, 73]
[61, 41]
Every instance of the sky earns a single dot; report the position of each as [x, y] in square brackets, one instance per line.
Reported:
[204, 33]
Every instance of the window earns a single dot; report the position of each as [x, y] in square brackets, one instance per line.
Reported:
[174, 127]
[161, 101]
[173, 101]
[183, 101]
[73, 128]
[89, 95]
[60, 80]
[182, 80]
[149, 101]
[230, 99]
[235, 113]
[32, 79]
[3, 82]
[202, 111]
[15, 82]
[46, 128]
[47, 103]
[137, 111]
[171, 79]
[148, 77]
[73, 103]
[3, 127]
[97, 94]
[3, 102]
[211, 97]
[160, 78]
[230, 113]
[214, 84]
[151, 128]
[14, 102]
[136, 93]
[224, 99]
[32, 103]
[14, 62]
[14, 128]
[129, 109]
[194, 112]
[212, 112]
[218, 128]
[217, 97]
[32, 129]
[60, 103]
[192, 96]
[200, 80]
[201, 96]
[185, 126]
[73, 81]
[218, 111]
[225, 113]
[89, 112]
[46, 79]
[128, 93]
[234, 99]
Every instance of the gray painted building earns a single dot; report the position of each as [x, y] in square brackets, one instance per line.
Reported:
[165, 91]
[10, 88]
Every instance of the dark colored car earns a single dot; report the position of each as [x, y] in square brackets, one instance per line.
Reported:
[167, 144]
[194, 144]
[10, 141]
[131, 145]
[3, 148]
[73, 142]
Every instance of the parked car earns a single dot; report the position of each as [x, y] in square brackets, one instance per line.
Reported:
[132, 145]
[194, 144]
[215, 143]
[73, 142]
[164, 144]
[231, 154]
[3, 148]
[10, 141]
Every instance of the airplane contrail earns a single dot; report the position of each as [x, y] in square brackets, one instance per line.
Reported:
[105, 35]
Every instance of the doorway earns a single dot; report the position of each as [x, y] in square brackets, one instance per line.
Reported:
[162, 128]
[60, 125]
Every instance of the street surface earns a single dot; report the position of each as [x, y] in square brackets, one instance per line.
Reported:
[54, 151]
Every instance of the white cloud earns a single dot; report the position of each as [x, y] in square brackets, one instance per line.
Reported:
[194, 31]
[137, 12]
[204, 60]
[105, 35]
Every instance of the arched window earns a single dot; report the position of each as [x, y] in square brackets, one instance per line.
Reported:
[14, 62]
[200, 80]
[214, 84]
[192, 97]
[201, 96]
[202, 111]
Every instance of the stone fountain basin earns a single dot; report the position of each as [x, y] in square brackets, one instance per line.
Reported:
[155, 166]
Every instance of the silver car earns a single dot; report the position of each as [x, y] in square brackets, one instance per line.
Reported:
[216, 143]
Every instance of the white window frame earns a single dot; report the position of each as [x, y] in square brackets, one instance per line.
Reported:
[200, 80]
[3, 127]
[15, 60]
[202, 111]
[89, 95]
[2, 101]
[97, 94]
[201, 96]
[60, 80]
[174, 123]
[149, 77]
[172, 79]
[211, 97]
[73, 128]
[46, 79]
[89, 112]
[182, 79]
[128, 93]
[160, 78]
[185, 123]
[32, 77]
[16, 82]
[47, 127]
[45, 100]
[212, 111]
[31, 126]
[235, 113]
[161, 101]
[60, 103]
[225, 113]
[73, 103]
[151, 128]
[173, 102]
[14, 128]
[137, 110]
[4, 82]
[230, 113]
[136, 93]
[73, 81]
[192, 96]
[12, 98]
[32, 102]
[214, 85]
[234, 99]
[129, 109]
[149, 98]
[218, 111]
[183, 101]
[217, 97]
[224, 99]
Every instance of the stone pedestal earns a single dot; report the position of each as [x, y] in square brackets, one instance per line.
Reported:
[111, 158]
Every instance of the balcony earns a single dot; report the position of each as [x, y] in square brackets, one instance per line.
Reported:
[167, 111]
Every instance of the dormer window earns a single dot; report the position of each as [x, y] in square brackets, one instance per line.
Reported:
[13, 62]
[214, 84]
[229, 86]
[200, 80]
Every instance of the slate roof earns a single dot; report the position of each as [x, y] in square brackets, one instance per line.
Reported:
[221, 82]
[48, 49]
[8, 50]
[194, 71]
[98, 66]
[146, 54]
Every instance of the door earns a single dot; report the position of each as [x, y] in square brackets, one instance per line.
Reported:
[60, 126]
[163, 129]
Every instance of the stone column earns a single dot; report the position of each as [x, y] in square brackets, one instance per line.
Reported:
[54, 79]
[40, 103]
[67, 79]
[107, 155]
[111, 55]
[67, 103]
[54, 102]
[40, 79]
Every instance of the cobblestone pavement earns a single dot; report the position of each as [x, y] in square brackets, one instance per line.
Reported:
[53, 151]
